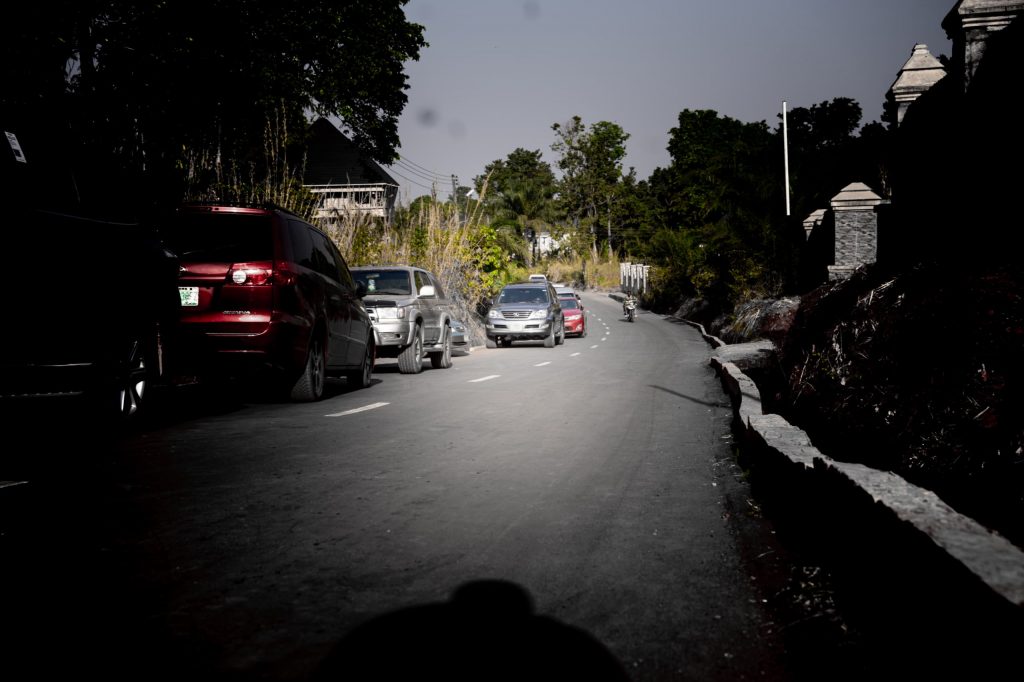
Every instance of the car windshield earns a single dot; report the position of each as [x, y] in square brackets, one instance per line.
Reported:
[570, 303]
[394, 282]
[523, 295]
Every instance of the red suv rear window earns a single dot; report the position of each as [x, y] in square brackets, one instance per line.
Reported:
[220, 238]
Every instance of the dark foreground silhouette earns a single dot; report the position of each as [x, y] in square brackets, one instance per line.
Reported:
[486, 631]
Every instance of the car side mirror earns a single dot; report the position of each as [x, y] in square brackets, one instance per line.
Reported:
[427, 290]
[360, 290]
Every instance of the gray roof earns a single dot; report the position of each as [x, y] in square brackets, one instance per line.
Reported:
[333, 159]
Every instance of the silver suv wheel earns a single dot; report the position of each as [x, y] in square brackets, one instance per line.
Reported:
[410, 360]
[442, 359]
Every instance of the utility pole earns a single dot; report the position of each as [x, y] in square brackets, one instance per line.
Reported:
[609, 228]
[785, 153]
[455, 198]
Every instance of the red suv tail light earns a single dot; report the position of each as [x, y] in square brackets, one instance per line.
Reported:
[251, 274]
[284, 274]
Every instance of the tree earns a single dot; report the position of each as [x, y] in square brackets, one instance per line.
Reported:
[518, 193]
[521, 167]
[153, 86]
[591, 164]
[720, 193]
[825, 153]
[635, 215]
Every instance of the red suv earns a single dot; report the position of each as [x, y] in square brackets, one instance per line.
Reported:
[261, 289]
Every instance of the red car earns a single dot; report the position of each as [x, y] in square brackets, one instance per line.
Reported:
[262, 289]
[575, 317]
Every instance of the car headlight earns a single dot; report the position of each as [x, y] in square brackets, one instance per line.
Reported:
[538, 314]
[390, 313]
[494, 314]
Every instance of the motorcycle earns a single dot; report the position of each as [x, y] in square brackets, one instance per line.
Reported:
[630, 307]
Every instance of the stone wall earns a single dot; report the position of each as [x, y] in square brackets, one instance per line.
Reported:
[856, 229]
[856, 237]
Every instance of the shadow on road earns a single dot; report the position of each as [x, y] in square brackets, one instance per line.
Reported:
[486, 631]
[719, 403]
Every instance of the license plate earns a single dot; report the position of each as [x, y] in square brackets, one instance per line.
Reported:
[189, 296]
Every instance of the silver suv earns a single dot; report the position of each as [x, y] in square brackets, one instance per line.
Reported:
[411, 315]
[528, 311]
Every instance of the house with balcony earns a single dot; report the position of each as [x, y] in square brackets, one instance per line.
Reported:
[347, 182]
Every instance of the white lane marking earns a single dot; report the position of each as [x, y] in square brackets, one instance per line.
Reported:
[594, 346]
[374, 406]
[605, 338]
[11, 484]
[541, 364]
[574, 355]
[486, 378]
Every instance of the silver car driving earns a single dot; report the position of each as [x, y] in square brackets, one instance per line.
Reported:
[527, 311]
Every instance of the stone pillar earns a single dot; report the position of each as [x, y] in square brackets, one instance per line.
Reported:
[856, 226]
[812, 221]
[969, 25]
[920, 73]
[633, 277]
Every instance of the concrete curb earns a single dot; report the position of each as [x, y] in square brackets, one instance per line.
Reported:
[976, 555]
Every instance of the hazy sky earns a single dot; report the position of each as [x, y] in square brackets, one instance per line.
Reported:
[499, 73]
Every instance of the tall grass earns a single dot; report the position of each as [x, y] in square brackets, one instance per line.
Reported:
[592, 271]
[209, 177]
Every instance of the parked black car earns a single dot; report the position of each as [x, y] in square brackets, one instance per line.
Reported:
[90, 312]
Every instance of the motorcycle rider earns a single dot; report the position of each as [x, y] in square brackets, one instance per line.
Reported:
[626, 302]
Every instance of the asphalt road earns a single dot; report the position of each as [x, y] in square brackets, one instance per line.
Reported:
[534, 513]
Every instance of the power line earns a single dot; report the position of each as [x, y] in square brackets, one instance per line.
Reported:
[414, 182]
[435, 179]
[444, 176]
[413, 171]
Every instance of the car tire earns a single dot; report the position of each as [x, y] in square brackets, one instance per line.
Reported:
[410, 360]
[363, 377]
[309, 387]
[126, 398]
[560, 339]
[442, 359]
[549, 341]
[491, 343]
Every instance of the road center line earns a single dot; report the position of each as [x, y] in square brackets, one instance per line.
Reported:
[595, 345]
[574, 355]
[541, 364]
[486, 378]
[374, 406]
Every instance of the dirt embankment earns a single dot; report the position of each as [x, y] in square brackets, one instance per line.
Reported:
[921, 374]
